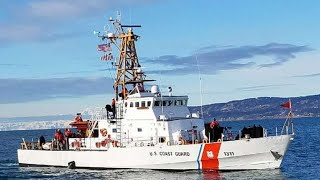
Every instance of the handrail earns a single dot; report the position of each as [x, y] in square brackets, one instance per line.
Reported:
[287, 124]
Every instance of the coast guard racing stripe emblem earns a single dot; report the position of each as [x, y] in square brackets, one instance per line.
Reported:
[209, 157]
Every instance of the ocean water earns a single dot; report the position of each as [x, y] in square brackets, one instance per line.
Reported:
[302, 160]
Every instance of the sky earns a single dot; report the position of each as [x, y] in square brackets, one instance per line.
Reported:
[213, 50]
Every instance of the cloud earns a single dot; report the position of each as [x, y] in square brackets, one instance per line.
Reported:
[38, 20]
[213, 59]
[263, 87]
[307, 75]
[61, 9]
[26, 90]
[13, 65]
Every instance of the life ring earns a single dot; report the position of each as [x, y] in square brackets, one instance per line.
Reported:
[205, 141]
[76, 144]
[104, 132]
[98, 144]
[103, 143]
[219, 140]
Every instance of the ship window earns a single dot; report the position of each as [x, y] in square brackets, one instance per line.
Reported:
[114, 130]
[143, 104]
[131, 104]
[139, 129]
[148, 103]
[125, 104]
[184, 102]
[164, 103]
[157, 103]
[162, 139]
[136, 104]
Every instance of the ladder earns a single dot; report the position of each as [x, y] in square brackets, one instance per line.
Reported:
[119, 117]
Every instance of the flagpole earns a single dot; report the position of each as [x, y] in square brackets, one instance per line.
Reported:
[289, 116]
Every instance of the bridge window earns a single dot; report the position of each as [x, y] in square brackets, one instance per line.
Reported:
[139, 129]
[149, 103]
[125, 104]
[157, 103]
[164, 103]
[184, 102]
[131, 104]
[114, 130]
[136, 104]
[169, 103]
[143, 104]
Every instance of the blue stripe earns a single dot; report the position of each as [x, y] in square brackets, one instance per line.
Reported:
[199, 156]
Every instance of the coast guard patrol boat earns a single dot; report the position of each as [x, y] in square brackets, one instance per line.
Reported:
[147, 129]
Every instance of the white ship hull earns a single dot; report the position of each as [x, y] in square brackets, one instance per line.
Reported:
[258, 153]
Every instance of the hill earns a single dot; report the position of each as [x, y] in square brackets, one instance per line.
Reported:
[260, 108]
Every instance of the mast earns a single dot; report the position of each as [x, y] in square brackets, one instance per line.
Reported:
[128, 71]
[128, 67]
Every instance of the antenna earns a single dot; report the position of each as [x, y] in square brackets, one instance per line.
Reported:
[96, 32]
[118, 16]
[200, 86]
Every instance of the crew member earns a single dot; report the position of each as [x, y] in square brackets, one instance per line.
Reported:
[214, 125]
[140, 88]
[113, 105]
[60, 139]
[42, 141]
[67, 133]
[56, 134]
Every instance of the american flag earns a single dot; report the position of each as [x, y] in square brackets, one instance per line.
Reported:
[106, 57]
[104, 47]
[110, 56]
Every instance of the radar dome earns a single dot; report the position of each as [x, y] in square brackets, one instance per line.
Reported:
[155, 89]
